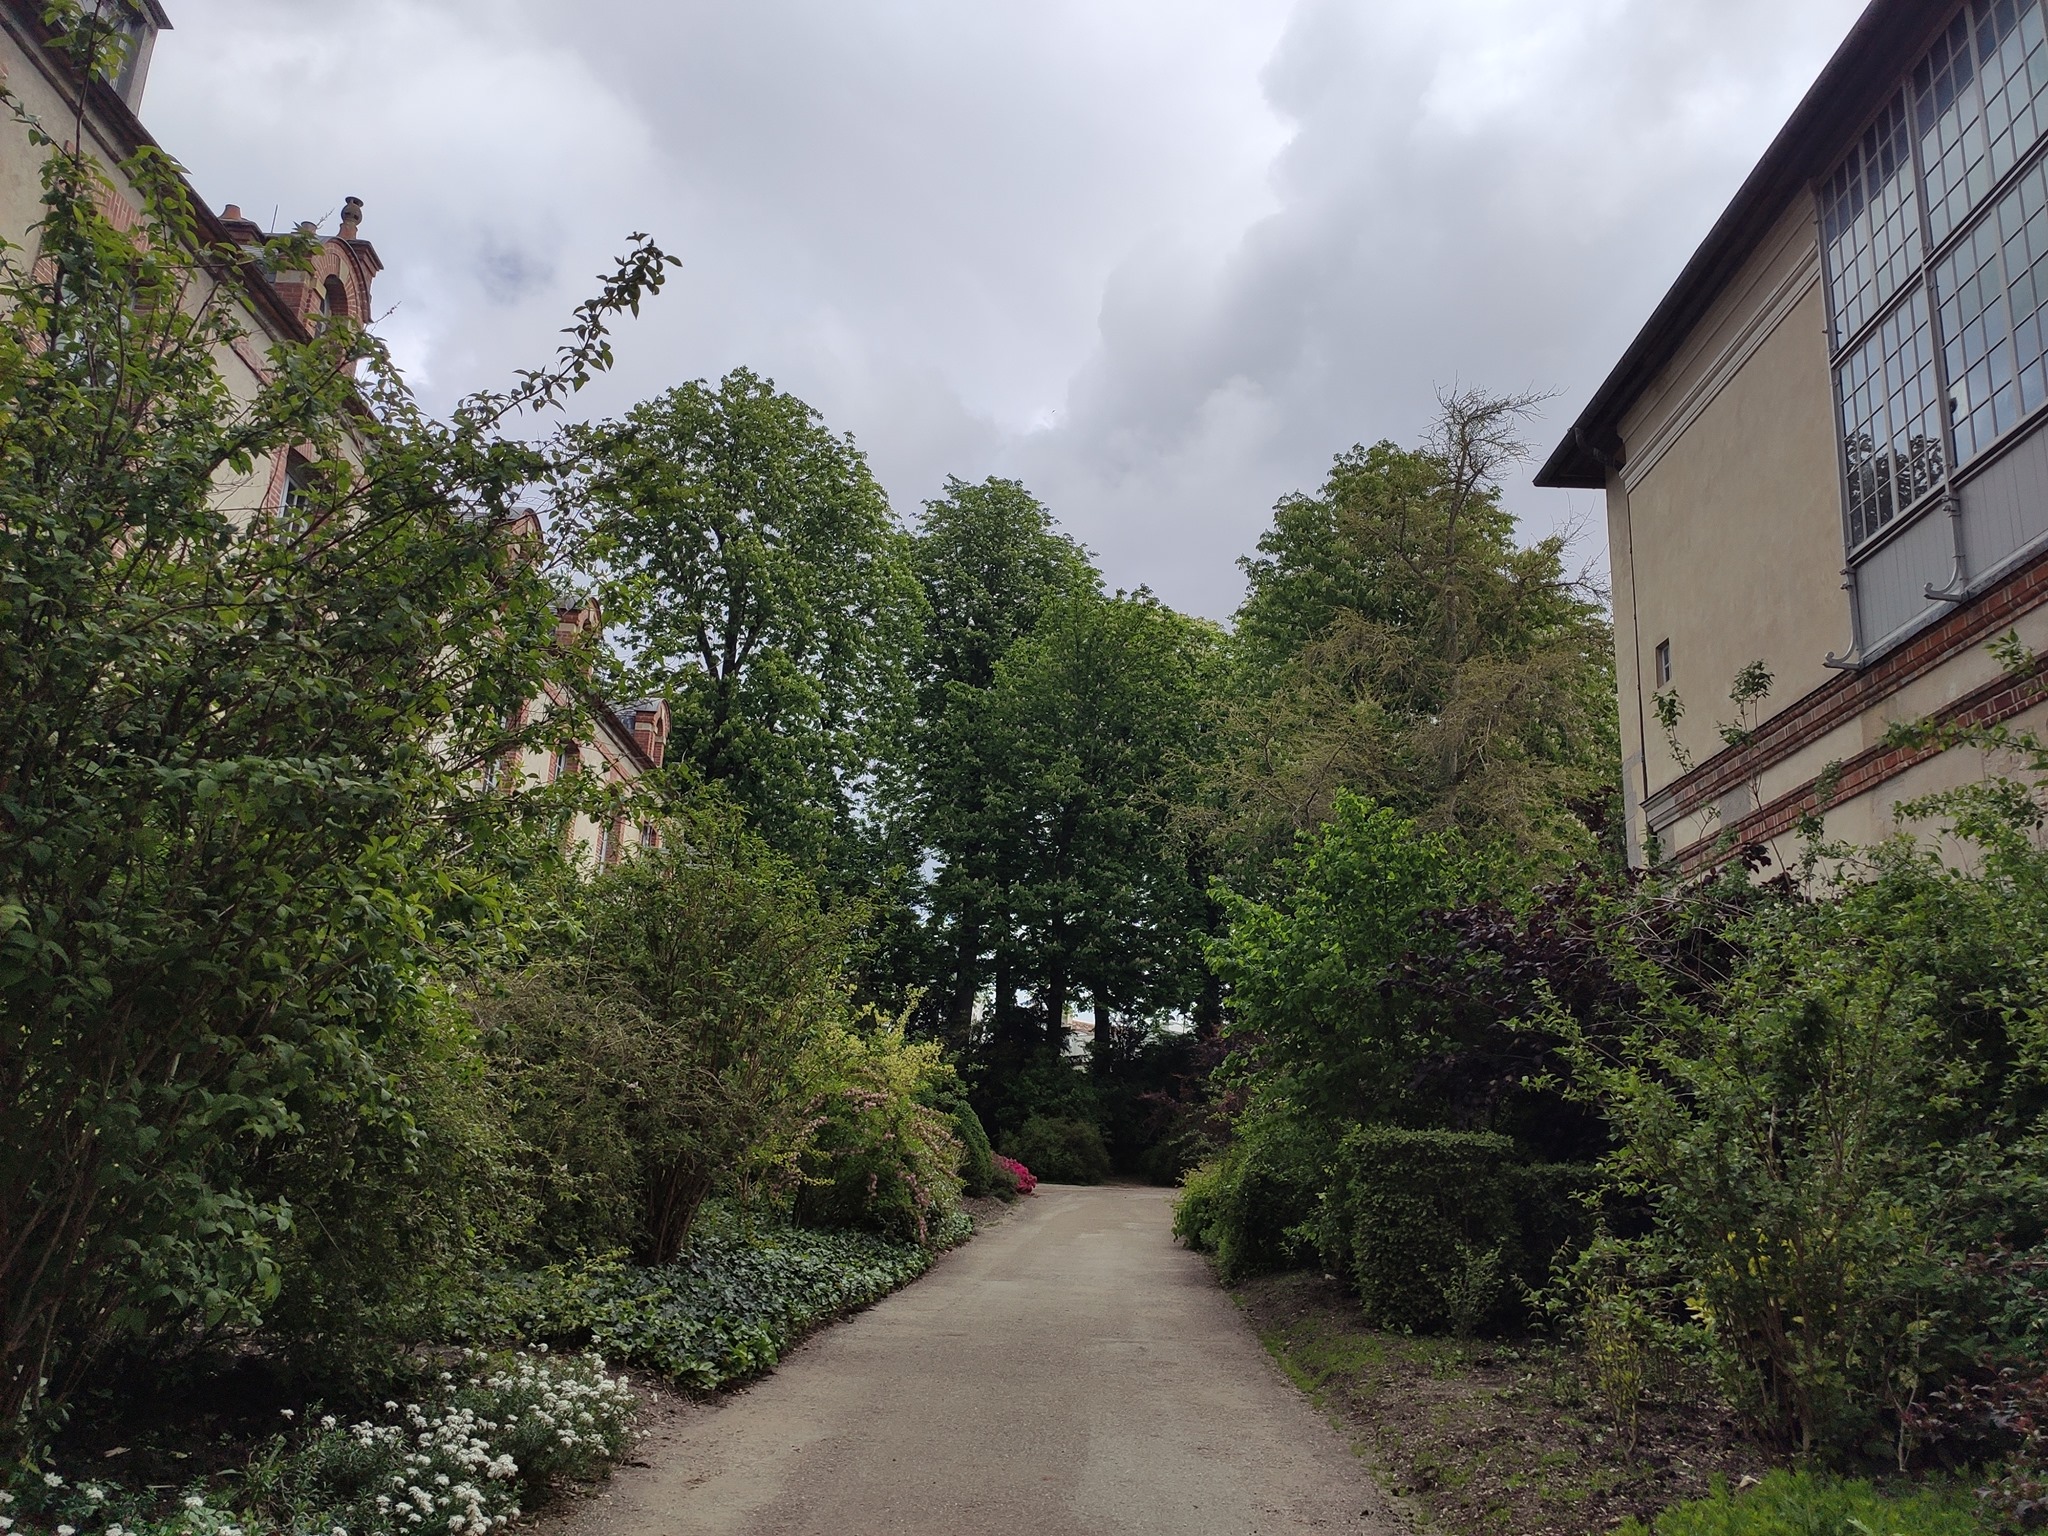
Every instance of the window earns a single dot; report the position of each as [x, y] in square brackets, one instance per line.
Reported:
[1871, 223]
[298, 488]
[1934, 231]
[650, 837]
[1663, 663]
[565, 761]
[333, 299]
[1993, 289]
[607, 844]
[1889, 415]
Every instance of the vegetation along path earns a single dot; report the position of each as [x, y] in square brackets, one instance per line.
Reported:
[1071, 1371]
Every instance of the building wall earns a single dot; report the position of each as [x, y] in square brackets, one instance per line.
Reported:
[1725, 521]
[1725, 533]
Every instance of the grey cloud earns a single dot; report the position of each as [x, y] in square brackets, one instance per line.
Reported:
[1160, 258]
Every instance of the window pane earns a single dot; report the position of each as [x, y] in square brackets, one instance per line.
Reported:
[1870, 223]
[1949, 110]
[1893, 453]
[1993, 293]
[2012, 53]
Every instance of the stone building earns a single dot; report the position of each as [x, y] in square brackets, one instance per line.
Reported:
[1825, 451]
[101, 115]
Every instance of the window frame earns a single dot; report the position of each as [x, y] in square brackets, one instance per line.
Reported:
[1982, 213]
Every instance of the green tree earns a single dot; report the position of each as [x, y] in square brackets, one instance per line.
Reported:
[1397, 642]
[1090, 720]
[756, 578]
[990, 561]
[241, 817]
[1318, 1019]
[665, 1048]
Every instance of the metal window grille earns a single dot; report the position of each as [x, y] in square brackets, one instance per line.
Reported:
[1889, 411]
[1871, 222]
[1973, 282]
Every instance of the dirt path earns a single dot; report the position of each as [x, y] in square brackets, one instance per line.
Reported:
[1070, 1373]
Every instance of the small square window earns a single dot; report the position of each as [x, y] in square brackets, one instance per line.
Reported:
[1663, 663]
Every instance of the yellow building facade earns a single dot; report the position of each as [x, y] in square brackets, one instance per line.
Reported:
[1827, 451]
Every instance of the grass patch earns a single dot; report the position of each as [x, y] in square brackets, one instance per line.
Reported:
[1801, 1504]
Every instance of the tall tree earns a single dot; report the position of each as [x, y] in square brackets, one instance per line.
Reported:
[1397, 641]
[242, 813]
[1086, 729]
[990, 561]
[756, 578]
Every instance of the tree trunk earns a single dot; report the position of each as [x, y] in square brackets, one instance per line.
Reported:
[966, 982]
[675, 1196]
[1055, 994]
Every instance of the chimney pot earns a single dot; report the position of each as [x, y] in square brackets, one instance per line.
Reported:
[232, 211]
[351, 217]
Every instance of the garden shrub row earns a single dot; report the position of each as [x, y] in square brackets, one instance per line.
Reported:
[1446, 1230]
[1437, 1230]
[729, 1308]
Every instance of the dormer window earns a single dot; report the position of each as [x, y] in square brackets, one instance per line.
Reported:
[136, 23]
[334, 299]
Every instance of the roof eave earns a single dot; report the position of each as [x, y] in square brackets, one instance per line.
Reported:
[1852, 85]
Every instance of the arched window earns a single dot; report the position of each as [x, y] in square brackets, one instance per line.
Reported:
[334, 299]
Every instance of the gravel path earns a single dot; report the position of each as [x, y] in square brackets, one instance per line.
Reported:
[1072, 1372]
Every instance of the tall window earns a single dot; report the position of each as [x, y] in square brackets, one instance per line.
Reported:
[1934, 229]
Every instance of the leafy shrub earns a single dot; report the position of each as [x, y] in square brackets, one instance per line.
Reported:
[1060, 1151]
[879, 1156]
[727, 1309]
[499, 1430]
[672, 1048]
[1315, 1019]
[392, 1213]
[977, 1157]
[225, 877]
[1802, 1504]
[1443, 1230]
[1251, 1206]
[1822, 1137]
[1020, 1180]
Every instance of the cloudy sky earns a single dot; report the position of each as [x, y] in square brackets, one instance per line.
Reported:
[1158, 258]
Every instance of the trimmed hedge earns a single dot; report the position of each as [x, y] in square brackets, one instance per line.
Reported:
[977, 1156]
[1252, 1206]
[1445, 1231]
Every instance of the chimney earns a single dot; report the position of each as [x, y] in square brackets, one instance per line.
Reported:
[650, 728]
[351, 217]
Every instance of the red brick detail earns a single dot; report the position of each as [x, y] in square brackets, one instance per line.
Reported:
[1993, 702]
[1841, 699]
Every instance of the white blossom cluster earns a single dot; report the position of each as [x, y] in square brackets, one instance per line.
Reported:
[454, 1464]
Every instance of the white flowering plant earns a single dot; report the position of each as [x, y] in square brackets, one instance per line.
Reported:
[464, 1458]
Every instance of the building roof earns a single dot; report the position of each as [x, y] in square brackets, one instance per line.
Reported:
[1883, 44]
[121, 124]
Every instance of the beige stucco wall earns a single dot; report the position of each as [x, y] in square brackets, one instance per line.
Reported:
[31, 80]
[1725, 521]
